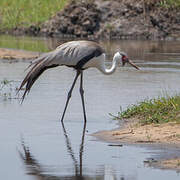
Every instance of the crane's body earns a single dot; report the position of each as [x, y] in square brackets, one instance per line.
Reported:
[74, 54]
[79, 55]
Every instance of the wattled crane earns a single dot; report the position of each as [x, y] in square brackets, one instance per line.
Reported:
[79, 55]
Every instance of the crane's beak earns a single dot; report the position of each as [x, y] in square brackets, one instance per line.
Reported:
[132, 64]
[126, 60]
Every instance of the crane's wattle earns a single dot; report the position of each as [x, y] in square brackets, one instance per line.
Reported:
[124, 60]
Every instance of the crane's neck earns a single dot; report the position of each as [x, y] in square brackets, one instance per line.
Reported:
[111, 70]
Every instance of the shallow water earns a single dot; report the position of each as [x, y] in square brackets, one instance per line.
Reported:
[34, 144]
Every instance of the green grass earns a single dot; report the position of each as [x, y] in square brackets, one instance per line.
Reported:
[160, 110]
[14, 13]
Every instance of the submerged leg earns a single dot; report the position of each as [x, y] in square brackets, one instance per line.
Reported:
[82, 96]
[69, 95]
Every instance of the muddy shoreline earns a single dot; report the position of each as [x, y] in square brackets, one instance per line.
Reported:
[110, 20]
[167, 134]
[154, 135]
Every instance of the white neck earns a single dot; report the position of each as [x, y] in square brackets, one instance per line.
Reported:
[111, 70]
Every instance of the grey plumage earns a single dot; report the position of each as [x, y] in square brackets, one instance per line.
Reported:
[72, 54]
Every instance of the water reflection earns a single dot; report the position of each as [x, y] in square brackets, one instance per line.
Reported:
[40, 171]
[137, 50]
[78, 168]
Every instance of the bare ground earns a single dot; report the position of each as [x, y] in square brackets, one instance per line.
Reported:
[134, 133]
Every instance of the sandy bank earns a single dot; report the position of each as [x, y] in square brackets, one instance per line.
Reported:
[134, 133]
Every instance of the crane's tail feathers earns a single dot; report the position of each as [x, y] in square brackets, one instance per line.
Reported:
[40, 65]
[36, 61]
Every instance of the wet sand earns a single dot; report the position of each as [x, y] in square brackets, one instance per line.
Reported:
[134, 133]
[169, 164]
[17, 54]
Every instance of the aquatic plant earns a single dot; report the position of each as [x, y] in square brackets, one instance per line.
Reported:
[6, 89]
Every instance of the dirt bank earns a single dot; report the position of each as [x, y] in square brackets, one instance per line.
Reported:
[134, 133]
[17, 54]
[124, 19]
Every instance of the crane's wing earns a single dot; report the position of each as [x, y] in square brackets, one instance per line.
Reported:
[77, 53]
[73, 54]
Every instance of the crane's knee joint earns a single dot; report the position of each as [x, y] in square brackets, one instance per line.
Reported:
[69, 95]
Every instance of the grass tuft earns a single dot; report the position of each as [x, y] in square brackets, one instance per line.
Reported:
[160, 110]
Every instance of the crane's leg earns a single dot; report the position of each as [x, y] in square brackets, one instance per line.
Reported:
[69, 94]
[82, 96]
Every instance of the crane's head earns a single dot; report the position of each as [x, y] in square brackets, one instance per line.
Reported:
[125, 59]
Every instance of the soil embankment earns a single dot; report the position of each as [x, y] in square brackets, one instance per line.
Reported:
[111, 19]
